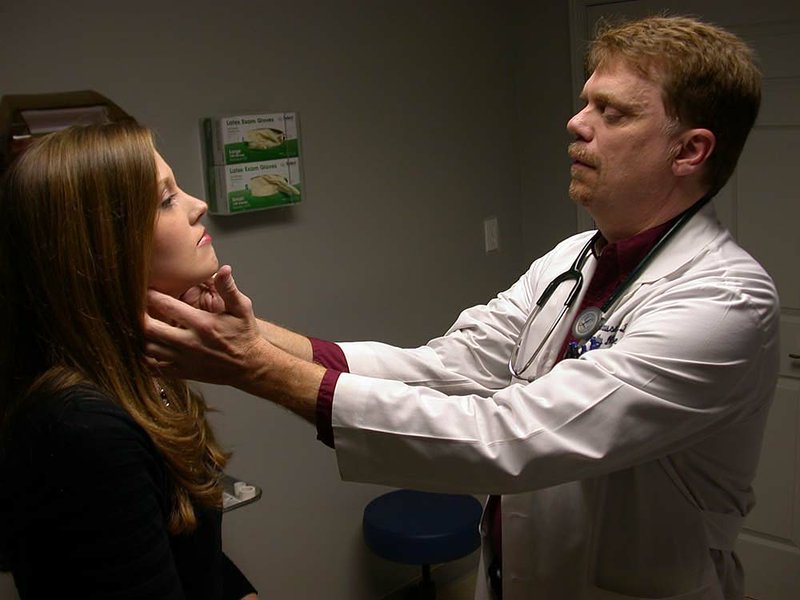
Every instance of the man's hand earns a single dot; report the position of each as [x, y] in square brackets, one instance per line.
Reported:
[205, 296]
[228, 348]
[221, 346]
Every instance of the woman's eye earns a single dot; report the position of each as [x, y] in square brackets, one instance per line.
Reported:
[168, 201]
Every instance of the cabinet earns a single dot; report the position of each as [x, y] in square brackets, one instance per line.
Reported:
[23, 117]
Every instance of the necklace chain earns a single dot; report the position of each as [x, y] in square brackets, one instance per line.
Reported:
[163, 393]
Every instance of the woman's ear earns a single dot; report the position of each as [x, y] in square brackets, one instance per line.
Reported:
[692, 150]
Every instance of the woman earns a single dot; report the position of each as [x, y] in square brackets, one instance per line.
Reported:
[109, 476]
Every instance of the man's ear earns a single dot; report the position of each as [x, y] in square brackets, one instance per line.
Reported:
[692, 150]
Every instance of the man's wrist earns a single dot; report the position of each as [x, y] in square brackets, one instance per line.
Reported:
[294, 343]
[284, 379]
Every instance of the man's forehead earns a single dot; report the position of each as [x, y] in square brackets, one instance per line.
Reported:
[622, 82]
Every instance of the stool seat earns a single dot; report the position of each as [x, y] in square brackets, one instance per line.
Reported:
[422, 528]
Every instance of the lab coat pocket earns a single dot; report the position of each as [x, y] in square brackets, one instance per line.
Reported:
[707, 592]
[649, 541]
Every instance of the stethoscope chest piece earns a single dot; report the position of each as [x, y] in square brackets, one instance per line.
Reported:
[587, 323]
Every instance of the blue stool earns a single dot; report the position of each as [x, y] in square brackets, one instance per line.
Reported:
[422, 528]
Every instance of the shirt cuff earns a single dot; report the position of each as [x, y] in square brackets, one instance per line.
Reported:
[325, 406]
[329, 355]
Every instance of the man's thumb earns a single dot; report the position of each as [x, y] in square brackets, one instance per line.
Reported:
[236, 303]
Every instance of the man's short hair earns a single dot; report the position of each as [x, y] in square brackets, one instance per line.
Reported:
[708, 77]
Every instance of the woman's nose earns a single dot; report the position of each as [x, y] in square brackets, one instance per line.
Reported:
[197, 210]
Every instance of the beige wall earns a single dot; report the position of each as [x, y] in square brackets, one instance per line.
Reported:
[418, 121]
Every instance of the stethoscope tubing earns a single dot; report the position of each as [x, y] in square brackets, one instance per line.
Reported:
[575, 274]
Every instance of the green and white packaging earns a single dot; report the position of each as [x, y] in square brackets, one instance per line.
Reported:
[251, 138]
[254, 186]
[252, 161]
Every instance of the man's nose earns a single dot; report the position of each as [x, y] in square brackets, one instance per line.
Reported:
[579, 127]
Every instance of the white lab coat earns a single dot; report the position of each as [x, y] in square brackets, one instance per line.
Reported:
[625, 473]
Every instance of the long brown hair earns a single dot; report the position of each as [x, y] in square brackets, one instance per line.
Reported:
[77, 215]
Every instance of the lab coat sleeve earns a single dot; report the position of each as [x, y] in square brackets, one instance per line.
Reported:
[472, 356]
[697, 353]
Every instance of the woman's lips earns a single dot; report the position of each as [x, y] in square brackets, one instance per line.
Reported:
[205, 239]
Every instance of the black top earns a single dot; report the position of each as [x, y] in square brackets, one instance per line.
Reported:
[84, 502]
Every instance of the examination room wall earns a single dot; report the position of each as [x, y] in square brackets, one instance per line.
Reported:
[419, 120]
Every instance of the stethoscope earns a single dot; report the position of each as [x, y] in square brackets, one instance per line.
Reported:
[592, 318]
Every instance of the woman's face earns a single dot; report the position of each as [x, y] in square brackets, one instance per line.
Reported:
[182, 252]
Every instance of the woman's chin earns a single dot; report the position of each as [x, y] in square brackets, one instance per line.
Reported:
[176, 282]
[176, 291]
[177, 288]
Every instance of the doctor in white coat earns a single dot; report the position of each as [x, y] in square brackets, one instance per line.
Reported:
[624, 458]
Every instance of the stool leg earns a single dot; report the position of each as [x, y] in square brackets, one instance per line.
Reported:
[427, 587]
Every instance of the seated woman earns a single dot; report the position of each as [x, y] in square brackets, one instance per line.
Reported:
[110, 476]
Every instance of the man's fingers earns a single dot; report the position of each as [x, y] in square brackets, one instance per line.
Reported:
[162, 369]
[193, 295]
[236, 303]
[167, 308]
[164, 361]
[158, 366]
[160, 352]
[156, 330]
[191, 343]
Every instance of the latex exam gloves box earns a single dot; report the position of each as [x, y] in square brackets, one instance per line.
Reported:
[252, 161]
[251, 138]
[254, 186]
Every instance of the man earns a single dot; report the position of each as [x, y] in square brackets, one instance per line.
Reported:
[623, 446]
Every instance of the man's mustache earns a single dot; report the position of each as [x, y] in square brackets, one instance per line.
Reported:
[579, 153]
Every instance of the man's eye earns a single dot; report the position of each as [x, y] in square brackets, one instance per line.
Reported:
[611, 115]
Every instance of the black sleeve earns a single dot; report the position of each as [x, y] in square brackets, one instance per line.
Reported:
[90, 501]
[235, 584]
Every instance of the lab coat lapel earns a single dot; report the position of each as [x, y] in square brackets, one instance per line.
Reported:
[692, 239]
[688, 242]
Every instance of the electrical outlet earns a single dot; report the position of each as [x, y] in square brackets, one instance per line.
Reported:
[491, 234]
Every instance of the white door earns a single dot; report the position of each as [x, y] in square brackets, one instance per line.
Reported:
[761, 205]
